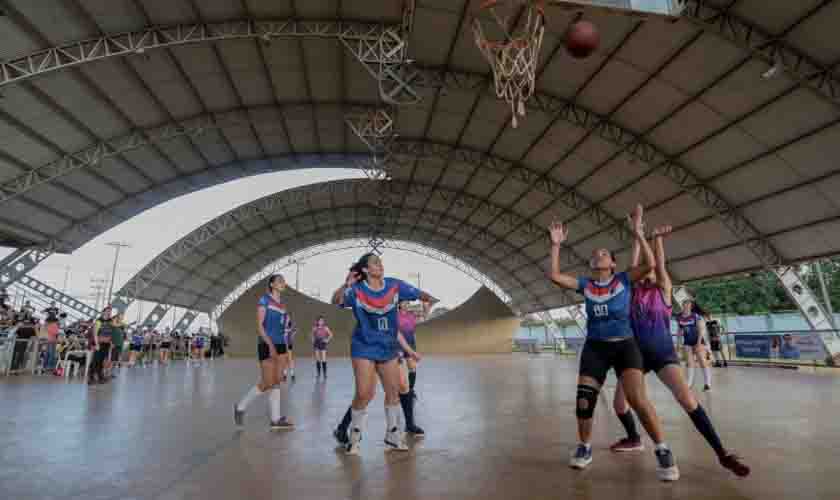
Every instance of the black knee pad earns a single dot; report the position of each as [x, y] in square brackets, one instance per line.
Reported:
[587, 398]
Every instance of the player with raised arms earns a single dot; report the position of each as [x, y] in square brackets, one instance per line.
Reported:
[376, 343]
[650, 316]
[610, 345]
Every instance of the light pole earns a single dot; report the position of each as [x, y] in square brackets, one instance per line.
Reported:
[417, 275]
[297, 265]
[117, 246]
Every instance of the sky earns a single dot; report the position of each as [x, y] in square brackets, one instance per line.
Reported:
[156, 229]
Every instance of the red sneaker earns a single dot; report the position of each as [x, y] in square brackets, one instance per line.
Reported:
[733, 463]
[627, 445]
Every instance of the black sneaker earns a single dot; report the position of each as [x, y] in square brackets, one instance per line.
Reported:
[341, 436]
[283, 424]
[238, 416]
[734, 463]
[415, 431]
[707, 388]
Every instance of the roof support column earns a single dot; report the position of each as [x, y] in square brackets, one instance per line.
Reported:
[154, 318]
[19, 263]
[186, 321]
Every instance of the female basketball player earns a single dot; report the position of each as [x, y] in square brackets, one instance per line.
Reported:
[375, 344]
[408, 327]
[651, 320]
[692, 328]
[136, 346]
[321, 337]
[610, 344]
[272, 322]
[165, 347]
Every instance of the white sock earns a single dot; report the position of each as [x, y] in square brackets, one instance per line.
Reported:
[661, 446]
[690, 371]
[291, 372]
[358, 419]
[392, 416]
[707, 376]
[249, 398]
[274, 398]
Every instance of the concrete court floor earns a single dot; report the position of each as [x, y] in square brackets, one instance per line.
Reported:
[499, 427]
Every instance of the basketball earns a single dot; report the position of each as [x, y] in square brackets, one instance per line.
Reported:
[582, 39]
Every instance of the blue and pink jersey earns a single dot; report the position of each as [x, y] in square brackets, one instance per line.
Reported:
[276, 318]
[650, 317]
[377, 322]
[689, 325]
[607, 307]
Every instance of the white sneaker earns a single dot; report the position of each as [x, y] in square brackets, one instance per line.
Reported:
[666, 467]
[581, 457]
[395, 440]
[352, 447]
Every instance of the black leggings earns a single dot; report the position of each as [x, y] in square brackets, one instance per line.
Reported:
[97, 365]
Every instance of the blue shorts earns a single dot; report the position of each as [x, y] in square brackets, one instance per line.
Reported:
[691, 340]
[380, 350]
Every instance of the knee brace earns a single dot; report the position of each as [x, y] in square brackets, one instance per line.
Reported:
[587, 398]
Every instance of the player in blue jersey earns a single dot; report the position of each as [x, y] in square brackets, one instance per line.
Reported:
[651, 321]
[376, 344]
[692, 329]
[610, 345]
[272, 325]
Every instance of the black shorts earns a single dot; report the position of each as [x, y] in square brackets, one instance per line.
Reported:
[165, 346]
[147, 348]
[715, 345]
[655, 363]
[263, 352]
[116, 353]
[599, 356]
[136, 348]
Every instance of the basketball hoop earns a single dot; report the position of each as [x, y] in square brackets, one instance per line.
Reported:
[513, 59]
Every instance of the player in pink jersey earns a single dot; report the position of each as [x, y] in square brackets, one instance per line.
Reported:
[650, 317]
[321, 336]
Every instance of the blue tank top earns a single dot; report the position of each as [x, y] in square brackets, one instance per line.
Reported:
[688, 325]
[607, 307]
[137, 339]
[651, 318]
[276, 318]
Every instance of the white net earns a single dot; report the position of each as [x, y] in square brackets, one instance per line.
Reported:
[514, 59]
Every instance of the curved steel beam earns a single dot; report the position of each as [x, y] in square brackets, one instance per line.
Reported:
[768, 47]
[477, 258]
[351, 244]
[159, 37]
[302, 196]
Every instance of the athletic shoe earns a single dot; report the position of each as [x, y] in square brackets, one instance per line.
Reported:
[395, 440]
[707, 388]
[340, 435]
[415, 431]
[283, 424]
[352, 446]
[666, 467]
[581, 457]
[733, 463]
[238, 416]
[627, 445]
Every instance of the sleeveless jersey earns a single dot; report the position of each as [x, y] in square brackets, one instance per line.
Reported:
[408, 323]
[137, 339]
[375, 335]
[651, 319]
[276, 318]
[607, 307]
[320, 332]
[689, 326]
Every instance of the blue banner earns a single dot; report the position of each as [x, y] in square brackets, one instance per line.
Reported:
[753, 346]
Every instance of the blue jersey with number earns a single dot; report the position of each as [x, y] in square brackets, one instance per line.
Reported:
[375, 335]
[690, 328]
[276, 318]
[607, 307]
